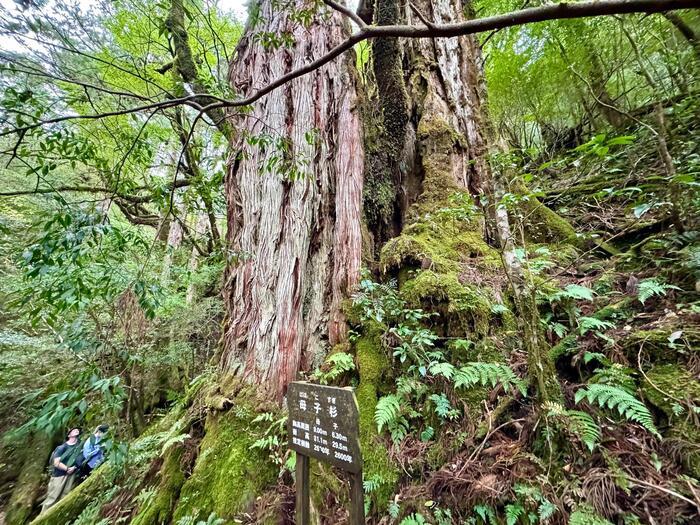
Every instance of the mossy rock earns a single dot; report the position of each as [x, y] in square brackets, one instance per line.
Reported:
[656, 342]
[228, 474]
[675, 382]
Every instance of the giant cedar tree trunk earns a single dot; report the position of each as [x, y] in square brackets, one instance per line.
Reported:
[303, 238]
[297, 244]
[298, 241]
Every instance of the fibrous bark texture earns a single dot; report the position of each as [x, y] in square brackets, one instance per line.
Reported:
[296, 243]
[447, 83]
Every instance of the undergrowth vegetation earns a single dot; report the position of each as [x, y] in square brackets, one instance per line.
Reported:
[546, 375]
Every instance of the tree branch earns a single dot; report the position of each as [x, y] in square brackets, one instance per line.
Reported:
[134, 199]
[559, 11]
[346, 12]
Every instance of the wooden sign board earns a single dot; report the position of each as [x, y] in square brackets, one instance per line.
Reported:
[324, 424]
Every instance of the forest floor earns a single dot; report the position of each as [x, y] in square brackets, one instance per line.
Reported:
[450, 430]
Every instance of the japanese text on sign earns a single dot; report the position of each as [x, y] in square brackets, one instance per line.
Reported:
[323, 423]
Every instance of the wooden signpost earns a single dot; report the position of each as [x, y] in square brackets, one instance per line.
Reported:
[324, 424]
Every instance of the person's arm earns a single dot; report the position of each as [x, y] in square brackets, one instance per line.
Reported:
[61, 466]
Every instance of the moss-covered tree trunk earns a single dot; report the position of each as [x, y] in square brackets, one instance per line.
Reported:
[31, 482]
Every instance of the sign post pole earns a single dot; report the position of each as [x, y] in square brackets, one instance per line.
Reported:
[303, 504]
[357, 500]
[324, 424]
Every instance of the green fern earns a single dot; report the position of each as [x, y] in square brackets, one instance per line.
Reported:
[486, 513]
[586, 324]
[484, 374]
[442, 407]
[651, 287]
[626, 404]
[414, 519]
[446, 370]
[575, 292]
[585, 515]
[616, 375]
[387, 411]
[427, 434]
[513, 513]
[577, 422]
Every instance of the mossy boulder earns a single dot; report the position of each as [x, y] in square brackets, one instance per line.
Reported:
[228, 474]
[667, 386]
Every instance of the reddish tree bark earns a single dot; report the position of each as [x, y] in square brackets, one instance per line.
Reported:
[296, 243]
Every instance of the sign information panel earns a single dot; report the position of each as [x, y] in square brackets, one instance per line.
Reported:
[324, 424]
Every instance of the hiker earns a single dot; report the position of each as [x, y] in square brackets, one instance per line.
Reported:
[63, 468]
[93, 452]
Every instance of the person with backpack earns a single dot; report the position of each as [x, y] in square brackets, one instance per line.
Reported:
[93, 452]
[63, 468]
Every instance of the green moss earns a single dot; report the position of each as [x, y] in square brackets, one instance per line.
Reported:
[373, 365]
[543, 224]
[228, 474]
[656, 342]
[688, 434]
[674, 382]
[465, 304]
[444, 254]
[324, 482]
[437, 139]
[160, 509]
[31, 481]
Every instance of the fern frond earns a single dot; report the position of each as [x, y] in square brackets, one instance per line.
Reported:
[442, 369]
[651, 287]
[585, 515]
[586, 324]
[443, 408]
[485, 374]
[414, 519]
[387, 411]
[578, 423]
[513, 513]
[616, 398]
[574, 291]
